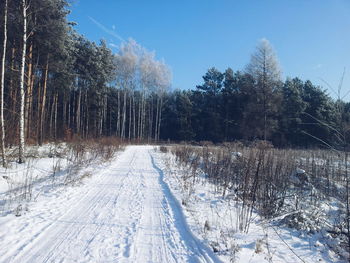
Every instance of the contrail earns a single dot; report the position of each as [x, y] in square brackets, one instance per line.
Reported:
[113, 45]
[108, 31]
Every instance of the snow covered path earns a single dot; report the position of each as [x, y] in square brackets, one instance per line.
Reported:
[125, 213]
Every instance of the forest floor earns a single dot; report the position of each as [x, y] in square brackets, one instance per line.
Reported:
[131, 210]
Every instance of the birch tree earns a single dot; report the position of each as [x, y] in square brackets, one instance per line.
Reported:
[24, 8]
[126, 64]
[163, 81]
[147, 70]
[2, 85]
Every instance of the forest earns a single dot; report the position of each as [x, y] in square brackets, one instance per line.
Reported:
[57, 85]
[247, 150]
[256, 104]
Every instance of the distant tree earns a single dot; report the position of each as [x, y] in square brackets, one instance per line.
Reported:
[177, 117]
[212, 82]
[319, 115]
[264, 69]
[234, 100]
[126, 64]
[208, 108]
[162, 84]
[292, 108]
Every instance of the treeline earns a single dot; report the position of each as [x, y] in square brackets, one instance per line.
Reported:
[256, 104]
[56, 84]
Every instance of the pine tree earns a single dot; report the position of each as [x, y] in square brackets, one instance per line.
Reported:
[208, 107]
[292, 108]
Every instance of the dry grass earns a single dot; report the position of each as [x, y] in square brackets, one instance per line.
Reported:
[272, 182]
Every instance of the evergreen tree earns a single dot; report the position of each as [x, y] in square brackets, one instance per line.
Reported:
[319, 116]
[177, 117]
[234, 101]
[292, 108]
[208, 112]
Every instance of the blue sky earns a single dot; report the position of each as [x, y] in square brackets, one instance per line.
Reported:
[311, 37]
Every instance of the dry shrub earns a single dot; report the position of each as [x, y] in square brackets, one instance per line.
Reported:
[275, 183]
[206, 143]
[107, 147]
[261, 144]
[264, 178]
[163, 149]
[83, 151]
[78, 179]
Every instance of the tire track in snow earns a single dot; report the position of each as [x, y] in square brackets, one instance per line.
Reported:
[201, 253]
[67, 228]
[127, 215]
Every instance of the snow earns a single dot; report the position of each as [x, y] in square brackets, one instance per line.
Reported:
[299, 171]
[124, 212]
[213, 219]
[137, 208]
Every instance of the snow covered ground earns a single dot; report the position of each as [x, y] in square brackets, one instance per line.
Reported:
[124, 212]
[214, 220]
[135, 209]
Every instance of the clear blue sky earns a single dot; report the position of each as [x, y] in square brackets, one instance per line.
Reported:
[311, 37]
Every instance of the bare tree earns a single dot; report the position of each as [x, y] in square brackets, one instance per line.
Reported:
[147, 81]
[141, 79]
[163, 79]
[266, 72]
[126, 62]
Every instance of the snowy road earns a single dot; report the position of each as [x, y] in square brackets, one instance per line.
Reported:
[125, 213]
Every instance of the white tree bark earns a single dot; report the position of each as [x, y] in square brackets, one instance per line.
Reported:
[124, 116]
[2, 123]
[118, 116]
[159, 117]
[21, 85]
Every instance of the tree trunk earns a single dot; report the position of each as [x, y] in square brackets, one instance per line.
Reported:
[52, 111]
[38, 112]
[77, 115]
[55, 116]
[150, 120]
[124, 116]
[13, 91]
[157, 118]
[30, 75]
[143, 115]
[118, 117]
[69, 116]
[160, 117]
[130, 104]
[86, 115]
[2, 83]
[139, 119]
[21, 85]
[43, 102]
[64, 113]
[134, 116]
